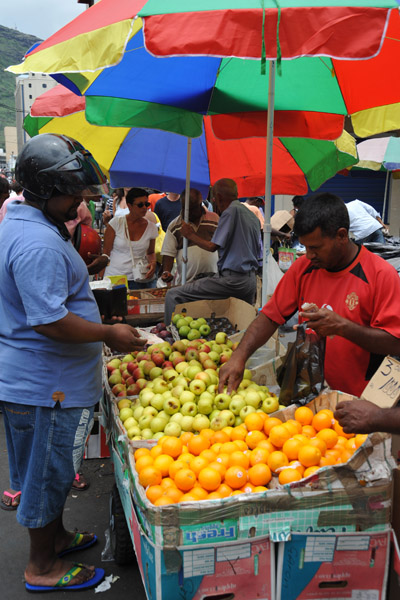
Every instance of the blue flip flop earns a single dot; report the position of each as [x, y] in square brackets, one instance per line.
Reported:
[62, 585]
[76, 544]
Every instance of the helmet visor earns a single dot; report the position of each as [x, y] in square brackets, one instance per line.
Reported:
[79, 173]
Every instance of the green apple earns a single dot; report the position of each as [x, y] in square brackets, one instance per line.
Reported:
[184, 331]
[244, 384]
[187, 423]
[191, 372]
[205, 405]
[124, 403]
[253, 398]
[197, 386]
[177, 391]
[160, 386]
[221, 337]
[238, 421]
[270, 404]
[115, 377]
[222, 401]
[186, 396]
[216, 348]
[133, 431]
[176, 318]
[195, 324]
[147, 434]
[155, 372]
[228, 416]
[202, 321]
[130, 422]
[203, 376]
[214, 356]
[144, 421]
[157, 401]
[200, 422]
[128, 358]
[171, 406]
[176, 418]
[204, 329]
[247, 374]
[246, 411]
[236, 404]
[150, 410]
[170, 375]
[182, 322]
[125, 413]
[218, 423]
[173, 429]
[138, 411]
[189, 409]
[157, 436]
[180, 367]
[214, 414]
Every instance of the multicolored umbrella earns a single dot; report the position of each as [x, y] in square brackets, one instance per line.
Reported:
[155, 158]
[379, 154]
[102, 54]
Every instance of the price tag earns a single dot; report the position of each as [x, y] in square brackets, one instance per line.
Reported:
[384, 387]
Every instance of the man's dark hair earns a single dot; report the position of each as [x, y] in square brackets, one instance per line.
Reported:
[324, 210]
[297, 201]
[136, 193]
[4, 185]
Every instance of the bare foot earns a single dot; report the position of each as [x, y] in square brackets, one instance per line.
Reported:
[65, 541]
[58, 570]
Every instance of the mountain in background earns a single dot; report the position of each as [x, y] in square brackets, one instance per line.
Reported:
[13, 46]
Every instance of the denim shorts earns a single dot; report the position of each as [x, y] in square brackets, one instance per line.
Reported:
[45, 450]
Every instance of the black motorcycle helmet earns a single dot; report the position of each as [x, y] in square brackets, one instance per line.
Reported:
[50, 164]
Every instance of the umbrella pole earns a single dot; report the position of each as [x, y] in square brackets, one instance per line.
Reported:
[186, 212]
[385, 195]
[268, 181]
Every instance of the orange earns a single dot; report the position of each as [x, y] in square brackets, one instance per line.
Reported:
[184, 449]
[339, 430]
[260, 474]
[239, 433]
[260, 488]
[153, 492]
[241, 444]
[276, 460]
[295, 423]
[333, 453]
[247, 488]
[321, 420]
[208, 433]
[304, 415]
[215, 447]
[351, 444]
[189, 497]
[186, 457]
[223, 459]
[220, 437]
[174, 493]
[291, 448]
[326, 461]
[143, 461]
[309, 431]
[292, 429]
[228, 448]
[309, 456]
[208, 455]
[344, 457]
[228, 430]
[289, 475]
[318, 443]
[270, 423]
[141, 452]
[224, 490]
[197, 464]
[175, 466]
[163, 500]
[198, 443]
[185, 437]
[254, 422]
[236, 492]
[167, 482]
[210, 479]
[156, 451]
[218, 466]
[214, 495]
[253, 438]
[259, 455]
[163, 463]
[360, 439]
[236, 477]
[328, 411]
[298, 466]
[172, 446]
[240, 459]
[149, 476]
[267, 445]
[310, 471]
[329, 436]
[185, 479]
[278, 435]
[199, 492]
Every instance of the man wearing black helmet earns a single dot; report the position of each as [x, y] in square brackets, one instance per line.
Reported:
[50, 349]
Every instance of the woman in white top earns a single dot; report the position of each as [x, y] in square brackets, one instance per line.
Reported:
[129, 241]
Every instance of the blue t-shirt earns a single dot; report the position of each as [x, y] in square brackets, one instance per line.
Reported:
[238, 238]
[167, 211]
[42, 278]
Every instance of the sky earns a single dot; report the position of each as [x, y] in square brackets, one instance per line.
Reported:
[41, 18]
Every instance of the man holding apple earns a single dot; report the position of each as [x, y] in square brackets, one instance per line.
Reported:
[50, 335]
[237, 240]
[355, 293]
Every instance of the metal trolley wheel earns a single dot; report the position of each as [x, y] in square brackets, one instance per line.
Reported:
[120, 539]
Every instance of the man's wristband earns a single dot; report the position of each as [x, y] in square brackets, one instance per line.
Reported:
[108, 258]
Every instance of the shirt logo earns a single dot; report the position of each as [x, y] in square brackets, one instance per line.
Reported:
[352, 301]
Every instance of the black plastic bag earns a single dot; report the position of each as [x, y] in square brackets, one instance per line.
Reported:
[301, 375]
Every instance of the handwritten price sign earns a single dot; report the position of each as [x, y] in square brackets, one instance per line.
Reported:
[384, 387]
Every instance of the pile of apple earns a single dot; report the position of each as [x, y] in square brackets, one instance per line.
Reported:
[189, 328]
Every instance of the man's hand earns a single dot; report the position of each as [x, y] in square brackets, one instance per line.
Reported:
[99, 262]
[123, 338]
[151, 269]
[167, 276]
[186, 230]
[231, 374]
[358, 416]
[324, 321]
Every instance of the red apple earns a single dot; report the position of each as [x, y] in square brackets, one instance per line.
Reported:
[117, 388]
[133, 390]
[141, 382]
[158, 357]
[148, 366]
[131, 366]
[138, 373]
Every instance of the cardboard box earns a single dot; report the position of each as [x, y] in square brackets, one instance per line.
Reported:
[282, 220]
[238, 312]
[333, 566]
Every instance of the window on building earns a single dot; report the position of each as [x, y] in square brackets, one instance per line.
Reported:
[29, 85]
[30, 96]
[44, 85]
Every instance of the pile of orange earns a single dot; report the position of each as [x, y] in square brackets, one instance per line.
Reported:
[242, 459]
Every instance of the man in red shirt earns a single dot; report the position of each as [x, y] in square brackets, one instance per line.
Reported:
[357, 295]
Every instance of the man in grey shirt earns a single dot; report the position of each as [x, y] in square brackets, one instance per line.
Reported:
[237, 241]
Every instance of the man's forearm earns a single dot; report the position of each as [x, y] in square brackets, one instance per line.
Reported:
[257, 334]
[74, 330]
[204, 244]
[167, 263]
